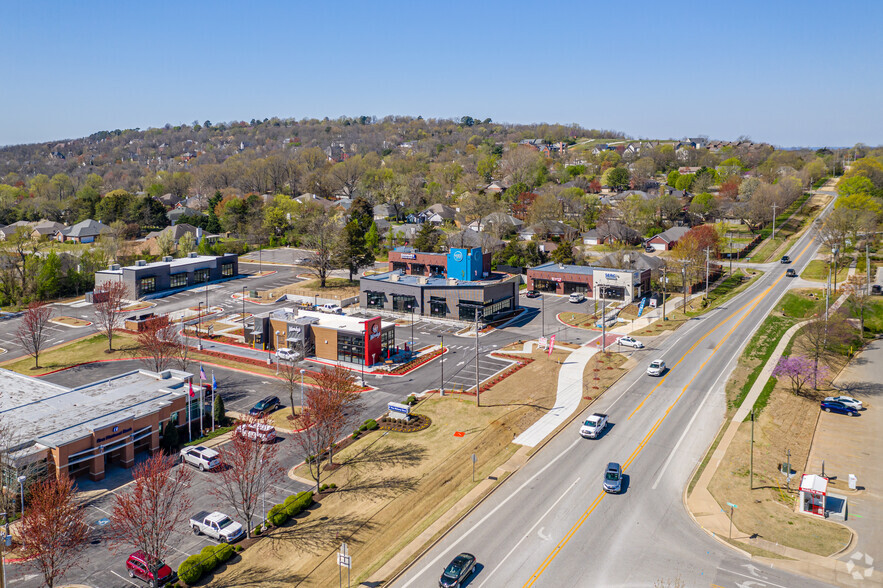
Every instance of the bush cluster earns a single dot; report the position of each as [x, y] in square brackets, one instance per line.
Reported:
[196, 566]
[411, 400]
[292, 507]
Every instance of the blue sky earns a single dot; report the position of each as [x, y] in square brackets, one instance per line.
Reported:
[791, 73]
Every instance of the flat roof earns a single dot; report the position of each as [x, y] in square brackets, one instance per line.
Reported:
[175, 263]
[324, 319]
[586, 270]
[53, 415]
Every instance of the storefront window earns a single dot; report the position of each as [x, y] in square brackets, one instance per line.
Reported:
[545, 285]
[398, 265]
[147, 285]
[404, 303]
[350, 348]
[200, 276]
[418, 269]
[227, 270]
[178, 280]
[571, 287]
[437, 270]
[438, 307]
[375, 299]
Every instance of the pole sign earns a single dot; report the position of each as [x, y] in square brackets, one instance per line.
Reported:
[398, 410]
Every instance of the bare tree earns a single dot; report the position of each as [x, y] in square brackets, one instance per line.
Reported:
[820, 338]
[321, 238]
[152, 509]
[158, 343]
[859, 300]
[182, 351]
[108, 308]
[54, 527]
[248, 469]
[291, 376]
[31, 333]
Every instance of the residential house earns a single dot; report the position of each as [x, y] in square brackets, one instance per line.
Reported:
[194, 202]
[666, 240]
[688, 170]
[86, 231]
[634, 260]
[469, 238]
[500, 221]
[176, 213]
[10, 229]
[312, 198]
[437, 214]
[548, 229]
[384, 211]
[609, 232]
[601, 148]
[169, 200]
[497, 187]
[45, 229]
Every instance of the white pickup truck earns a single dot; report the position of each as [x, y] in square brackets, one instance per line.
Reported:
[593, 426]
[216, 525]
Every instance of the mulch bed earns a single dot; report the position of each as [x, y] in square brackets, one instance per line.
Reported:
[70, 321]
[414, 363]
[418, 422]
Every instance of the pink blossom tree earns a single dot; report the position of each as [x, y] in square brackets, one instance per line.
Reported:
[801, 371]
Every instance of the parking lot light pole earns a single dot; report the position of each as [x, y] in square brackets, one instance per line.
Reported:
[543, 312]
[198, 324]
[243, 310]
[302, 390]
[441, 388]
[21, 486]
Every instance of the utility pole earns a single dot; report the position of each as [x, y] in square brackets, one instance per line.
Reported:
[707, 252]
[730, 252]
[868, 268]
[684, 270]
[603, 319]
[664, 280]
[441, 388]
[751, 466]
[477, 381]
[774, 221]
[543, 312]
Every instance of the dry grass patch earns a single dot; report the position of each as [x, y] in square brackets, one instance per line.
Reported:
[70, 321]
[392, 486]
[337, 288]
[89, 348]
[787, 423]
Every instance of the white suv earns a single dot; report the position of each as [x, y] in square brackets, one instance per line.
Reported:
[577, 297]
[287, 354]
[200, 457]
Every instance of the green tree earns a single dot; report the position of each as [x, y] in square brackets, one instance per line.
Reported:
[362, 212]
[672, 178]
[855, 185]
[220, 413]
[486, 167]
[187, 243]
[166, 243]
[49, 278]
[170, 441]
[372, 238]
[352, 252]
[685, 182]
[618, 178]
[563, 253]
[426, 239]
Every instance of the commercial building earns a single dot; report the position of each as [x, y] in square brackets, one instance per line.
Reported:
[594, 282]
[83, 430]
[148, 279]
[333, 337]
[466, 264]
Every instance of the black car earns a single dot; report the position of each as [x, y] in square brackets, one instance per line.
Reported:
[876, 289]
[532, 294]
[786, 259]
[265, 406]
[791, 273]
[457, 571]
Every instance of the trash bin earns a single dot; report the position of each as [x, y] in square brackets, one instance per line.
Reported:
[852, 481]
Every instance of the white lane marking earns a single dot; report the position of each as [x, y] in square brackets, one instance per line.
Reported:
[101, 509]
[179, 551]
[690, 424]
[544, 536]
[123, 579]
[432, 564]
[526, 535]
[753, 578]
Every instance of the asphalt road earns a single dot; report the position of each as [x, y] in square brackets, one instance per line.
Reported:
[552, 525]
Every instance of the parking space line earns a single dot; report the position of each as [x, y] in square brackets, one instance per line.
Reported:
[101, 509]
[122, 578]
[179, 551]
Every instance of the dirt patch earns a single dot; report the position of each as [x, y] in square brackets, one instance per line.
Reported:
[422, 474]
[336, 288]
[70, 321]
[138, 306]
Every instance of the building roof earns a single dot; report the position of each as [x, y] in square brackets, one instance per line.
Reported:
[53, 415]
[445, 212]
[338, 322]
[179, 263]
[86, 228]
[672, 234]
[641, 262]
[813, 483]
[586, 270]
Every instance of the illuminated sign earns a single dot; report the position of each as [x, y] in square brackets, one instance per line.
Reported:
[408, 256]
[610, 276]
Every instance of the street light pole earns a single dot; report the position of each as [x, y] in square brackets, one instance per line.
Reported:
[543, 312]
[243, 310]
[477, 382]
[441, 388]
[774, 222]
[707, 251]
[198, 324]
[302, 390]
[21, 485]
[664, 280]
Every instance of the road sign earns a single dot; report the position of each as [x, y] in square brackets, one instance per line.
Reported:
[102, 522]
[344, 561]
[474, 459]
[730, 504]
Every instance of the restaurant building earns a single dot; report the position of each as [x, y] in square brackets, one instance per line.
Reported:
[617, 284]
[460, 263]
[84, 430]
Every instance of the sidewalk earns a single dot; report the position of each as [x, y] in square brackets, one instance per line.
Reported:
[709, 515]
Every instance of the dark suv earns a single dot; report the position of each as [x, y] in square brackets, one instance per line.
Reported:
[265, 406]
[138, 567]
[786, 259]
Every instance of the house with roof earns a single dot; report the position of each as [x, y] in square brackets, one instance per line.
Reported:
[175, 214]
[169, 200]
[601, 148]
[609, 232]
[501, 222]
[10, 229]
[437, 214]
[314, 199]
[666, 240]
[548, 229]
[45, 229]
[385, 211]
[497, 187]
[469, 238]
[86, 231]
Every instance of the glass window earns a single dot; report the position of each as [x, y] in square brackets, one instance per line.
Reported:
[227, 270]
[147, 285]
[178, 280]
[350, 348]
[404, 303]
[398, 265]
[418, 269]
[437, 270]
[200, 276]
[438, 307]
[375, 299]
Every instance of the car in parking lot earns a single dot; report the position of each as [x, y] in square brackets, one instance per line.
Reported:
[785, 259]
[839, 407]
[457, 571]
[532, 294]
[656, 368]
[261, 432]
[577, 297]
[201, 457]
[287, 354]
[630, 342]
[265, 406]
[847, 400]
[791, 273]
[149, 569]
[876, 289]
[613, 478]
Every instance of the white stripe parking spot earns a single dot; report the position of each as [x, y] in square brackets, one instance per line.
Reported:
[123, 579]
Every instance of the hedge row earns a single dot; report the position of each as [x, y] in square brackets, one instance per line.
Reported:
[415, 362]
[196, 566]
[292, 507]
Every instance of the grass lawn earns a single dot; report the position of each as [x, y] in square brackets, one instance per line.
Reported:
[89, 348]
[802, 303]
[756, 354]
[334, 288]
[817, 271]
[874, 316]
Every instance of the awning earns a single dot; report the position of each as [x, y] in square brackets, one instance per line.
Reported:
[813, 483]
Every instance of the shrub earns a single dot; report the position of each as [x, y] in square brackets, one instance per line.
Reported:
[237, 548]
[277, 515]
[411, 400]
[209, 558]
[355, 434]
[223, 552]
[191, 569]
[258, 530]
[323, 487]
[333, 486]
[370, 424]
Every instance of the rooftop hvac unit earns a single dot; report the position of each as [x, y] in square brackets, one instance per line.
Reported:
[140, 263]
[167, 258]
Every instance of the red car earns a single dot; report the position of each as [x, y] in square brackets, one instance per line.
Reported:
[138, 567]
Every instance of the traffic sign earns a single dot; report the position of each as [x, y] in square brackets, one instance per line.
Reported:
[344, 561]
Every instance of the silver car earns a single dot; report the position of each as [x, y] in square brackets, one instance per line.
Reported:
[656, 368]
[613, 478]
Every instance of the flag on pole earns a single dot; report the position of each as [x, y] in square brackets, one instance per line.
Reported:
[214, 393]
[214, 383]
[202, 373]
[191, 390]
[201, 396]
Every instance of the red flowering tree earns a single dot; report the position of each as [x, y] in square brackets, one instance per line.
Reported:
[32, 331]
[109, 299]
[53, 528]
[158, 343]
[248, 467]
[152, 509]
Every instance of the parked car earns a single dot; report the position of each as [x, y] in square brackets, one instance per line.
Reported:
[265, 406]
[786, 259]
[876, 289]
[791, 273]
[330, 308]
[216, 525]
[847, 400]
[656, 368]
[149, 569]
[839, 407]
[613, 478]
[577, 297]
[650, 249]
[256, 432]
[201, 457]
[532, 294]
[593, 426]
[457, 571]
[287, 354]
[630, 342]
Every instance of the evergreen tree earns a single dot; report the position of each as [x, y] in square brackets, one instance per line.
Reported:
[563, 253]
[372, 239]
[218, 409]
[426, 239]
[352, 251]
[169, 441]
[49, 278]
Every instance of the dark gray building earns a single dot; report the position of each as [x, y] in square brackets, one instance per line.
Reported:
[439, 297]
[147, 279]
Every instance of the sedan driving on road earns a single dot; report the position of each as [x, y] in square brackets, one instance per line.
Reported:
[839, 407]
[786, 259]
[630, 342]
[847, 400]
[791, 273]
[457, 571]
[657, 368]
[532, 294]
[613, 478]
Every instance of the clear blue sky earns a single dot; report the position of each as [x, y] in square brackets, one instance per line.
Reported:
[791, 73]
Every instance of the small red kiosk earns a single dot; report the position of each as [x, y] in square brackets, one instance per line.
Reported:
[813, 493]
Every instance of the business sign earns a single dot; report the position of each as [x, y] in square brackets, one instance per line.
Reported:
[458, 255]
[409, 256]
[610, 276]
[641, 307]
[398, 410]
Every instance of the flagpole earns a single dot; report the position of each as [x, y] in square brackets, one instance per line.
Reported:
[214, 399]
[189, 413]
[201, 400]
